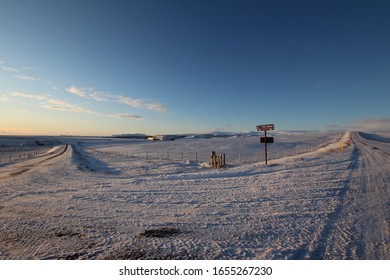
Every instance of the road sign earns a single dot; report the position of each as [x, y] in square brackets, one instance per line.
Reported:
[265, 139]
[269, 139]
[265, 127]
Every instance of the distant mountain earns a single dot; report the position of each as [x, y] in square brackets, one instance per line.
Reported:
[212, 134]
[131, 136]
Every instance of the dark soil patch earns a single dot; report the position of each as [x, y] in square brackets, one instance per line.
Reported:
[160, 233]
[67, 234]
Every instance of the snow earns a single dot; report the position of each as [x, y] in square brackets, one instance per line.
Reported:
[98, 198]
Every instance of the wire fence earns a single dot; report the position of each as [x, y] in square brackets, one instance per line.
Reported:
[22, 154]
[232, 157]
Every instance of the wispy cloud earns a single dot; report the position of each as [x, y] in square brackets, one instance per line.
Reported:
[54, 104]
[29, 68]
[142, 104]
[29, 96]
[26, 78]
[8, 69]
[126, 116]
[53, 86]
[4, 98]
[61, 105]
[14, 70]
[76, 91]
[90, 93]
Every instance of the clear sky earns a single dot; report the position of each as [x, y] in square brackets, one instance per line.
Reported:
[162, 66]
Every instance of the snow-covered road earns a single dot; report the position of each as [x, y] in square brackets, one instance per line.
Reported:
[360, 228]
[85, 204]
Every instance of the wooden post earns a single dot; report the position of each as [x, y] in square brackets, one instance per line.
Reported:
[217, 161]
[265, 146]
[213, 159]
[223, 160]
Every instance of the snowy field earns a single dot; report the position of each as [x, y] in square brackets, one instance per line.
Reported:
[323, 196]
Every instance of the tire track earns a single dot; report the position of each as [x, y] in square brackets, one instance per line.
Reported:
[26, 166]
[359, 226]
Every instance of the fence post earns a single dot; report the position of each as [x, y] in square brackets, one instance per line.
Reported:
[196, 156]
[217, 161]
[222, 161]
[213, 159]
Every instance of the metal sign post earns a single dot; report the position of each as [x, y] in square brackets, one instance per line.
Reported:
[265, 139]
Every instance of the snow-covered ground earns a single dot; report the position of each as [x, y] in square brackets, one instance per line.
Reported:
[97, 198]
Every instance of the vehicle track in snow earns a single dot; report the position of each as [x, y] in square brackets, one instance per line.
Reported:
[24, 166]
[359, 227]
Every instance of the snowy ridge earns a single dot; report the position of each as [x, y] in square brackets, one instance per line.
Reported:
[84, 161]
[340, 143]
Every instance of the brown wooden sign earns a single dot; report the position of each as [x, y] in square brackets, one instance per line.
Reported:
[265, 127]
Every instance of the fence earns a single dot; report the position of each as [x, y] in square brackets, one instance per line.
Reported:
[16, 155]
[232, 157]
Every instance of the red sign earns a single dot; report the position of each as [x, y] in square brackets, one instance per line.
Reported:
[265, 127]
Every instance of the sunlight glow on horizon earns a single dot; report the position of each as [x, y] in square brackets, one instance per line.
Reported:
[158, 69]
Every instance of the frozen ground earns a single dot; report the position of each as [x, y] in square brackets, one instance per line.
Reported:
[132, 199]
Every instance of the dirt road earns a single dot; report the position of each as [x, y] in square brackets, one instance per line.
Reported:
[359, 228]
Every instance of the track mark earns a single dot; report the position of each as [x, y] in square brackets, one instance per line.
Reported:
[26, 167]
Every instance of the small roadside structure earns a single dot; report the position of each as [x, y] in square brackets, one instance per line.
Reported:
[217, 161]
[161, 138]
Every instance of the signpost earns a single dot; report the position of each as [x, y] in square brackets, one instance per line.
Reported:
[265, 139]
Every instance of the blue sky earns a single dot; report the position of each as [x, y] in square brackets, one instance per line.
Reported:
[154, 66]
